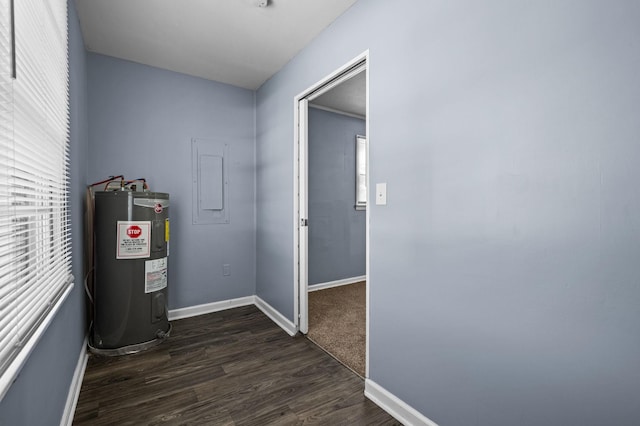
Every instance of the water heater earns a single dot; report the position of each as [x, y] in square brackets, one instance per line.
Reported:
[130, 289]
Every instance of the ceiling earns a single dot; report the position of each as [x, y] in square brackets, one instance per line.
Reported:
[230, 41]
[350, 96]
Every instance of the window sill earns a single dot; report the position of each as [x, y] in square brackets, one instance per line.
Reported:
[10, 375]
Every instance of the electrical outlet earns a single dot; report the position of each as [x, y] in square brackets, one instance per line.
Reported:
[226, 270]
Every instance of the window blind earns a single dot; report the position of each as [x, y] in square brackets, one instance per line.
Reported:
[35, 249]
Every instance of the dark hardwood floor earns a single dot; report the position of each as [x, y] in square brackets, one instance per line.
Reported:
[234, 367]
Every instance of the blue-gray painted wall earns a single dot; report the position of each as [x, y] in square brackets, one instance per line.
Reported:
[39, 394]
[142, 120]
[336, 229]
[504, 280]
[504, 274]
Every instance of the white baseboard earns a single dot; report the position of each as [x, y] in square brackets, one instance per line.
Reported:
[76, 384]
[276, 317]
[337, 283]
[393, 405]
[207, 308]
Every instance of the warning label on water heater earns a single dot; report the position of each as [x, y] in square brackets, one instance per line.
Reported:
[134, 239]
[155, 275]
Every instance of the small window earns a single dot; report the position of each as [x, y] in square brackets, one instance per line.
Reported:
[361, 172]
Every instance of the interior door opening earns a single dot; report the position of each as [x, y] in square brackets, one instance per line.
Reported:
[343, 94]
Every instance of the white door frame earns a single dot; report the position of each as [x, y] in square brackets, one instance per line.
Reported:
[300, 189]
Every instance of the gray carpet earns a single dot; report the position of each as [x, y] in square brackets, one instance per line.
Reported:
[337, 323]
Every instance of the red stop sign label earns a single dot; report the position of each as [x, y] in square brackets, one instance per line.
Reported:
[134, 231]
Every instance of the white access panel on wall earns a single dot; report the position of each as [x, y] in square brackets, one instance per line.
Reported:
[210, 181]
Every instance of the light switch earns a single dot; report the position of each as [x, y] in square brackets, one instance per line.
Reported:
[381, 194]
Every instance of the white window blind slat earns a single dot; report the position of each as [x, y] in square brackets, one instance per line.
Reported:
[6, 297]
[6, 321]
[32, 308]
[35, 247]
[7, 345]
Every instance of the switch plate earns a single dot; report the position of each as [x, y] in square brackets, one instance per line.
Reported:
[226, 270]
[381, 194]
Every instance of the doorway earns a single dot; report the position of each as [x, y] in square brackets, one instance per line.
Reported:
[344, 92]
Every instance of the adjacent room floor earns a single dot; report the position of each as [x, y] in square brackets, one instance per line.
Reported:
[234, 367]
[337, 323]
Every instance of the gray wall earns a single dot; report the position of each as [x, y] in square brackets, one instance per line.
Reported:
[39, 394]
[142, 120]
[336, 228]
[504, 269]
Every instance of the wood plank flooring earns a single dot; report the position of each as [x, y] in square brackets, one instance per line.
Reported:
[234, 367]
